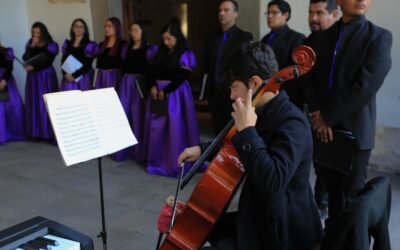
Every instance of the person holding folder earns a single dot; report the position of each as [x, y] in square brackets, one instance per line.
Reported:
[353, 59]
[81, 50]
[109, 60]
[173, 125]
[39, 55]
[12, 126]
[134, 89]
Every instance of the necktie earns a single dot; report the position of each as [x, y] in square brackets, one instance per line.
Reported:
[271, 37]
[334, 58]
[222, 42]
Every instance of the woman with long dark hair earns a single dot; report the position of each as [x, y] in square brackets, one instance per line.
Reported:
[41, 79]
[134, 88]
[172, 132]
[109, 60]
[84, 50]
[12, 127]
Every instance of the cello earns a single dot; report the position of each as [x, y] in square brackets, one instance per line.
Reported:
[216, 188]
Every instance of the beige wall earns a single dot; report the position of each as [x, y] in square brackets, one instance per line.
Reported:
[248, 17]
[58, 18]
[14, 31]
[99, 10]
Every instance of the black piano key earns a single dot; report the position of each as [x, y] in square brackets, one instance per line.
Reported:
[48, 241]
[27, 247]
[39, 244]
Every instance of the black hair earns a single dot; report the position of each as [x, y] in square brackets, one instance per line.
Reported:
[173, 27]
[283, 6]
[44, 33]
[250, 59]
[331, 5]
[85, 38]
[116, 23]
[145, 37]
[235, 4]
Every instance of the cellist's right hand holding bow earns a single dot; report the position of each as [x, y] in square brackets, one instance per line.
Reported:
[189, 154]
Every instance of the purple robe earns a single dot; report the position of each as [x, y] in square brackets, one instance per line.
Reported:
[136, 65]
[109, 65]
[39, 82]
[169, 135]
[84, 55]
[12, 126]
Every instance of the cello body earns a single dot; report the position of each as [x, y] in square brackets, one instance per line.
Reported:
[219, 183]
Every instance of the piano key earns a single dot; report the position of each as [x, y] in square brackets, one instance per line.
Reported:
[47, 241]
[27, 247]
[64, 243]
[37, 244]
[17, 237]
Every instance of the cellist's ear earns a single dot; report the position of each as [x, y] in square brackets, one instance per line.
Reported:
[255, 82]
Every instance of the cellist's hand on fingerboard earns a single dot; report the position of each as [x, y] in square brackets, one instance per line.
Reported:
[244, 112]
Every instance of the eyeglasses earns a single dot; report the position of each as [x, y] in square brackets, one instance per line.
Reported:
[273, 13]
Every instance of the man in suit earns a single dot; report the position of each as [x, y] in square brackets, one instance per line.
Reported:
[276, 206]
[282, 39]
[353, 59]
[219, 46]
[322, 14]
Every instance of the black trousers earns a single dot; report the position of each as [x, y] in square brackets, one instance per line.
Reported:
[342, 188]
[320, 192]
[220, 106]
[224, 234]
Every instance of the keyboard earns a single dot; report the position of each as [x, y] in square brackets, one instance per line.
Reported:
[40, 233]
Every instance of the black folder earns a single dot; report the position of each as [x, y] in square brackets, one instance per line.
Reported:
[4, 95]
[141, 85]
[159, 107]
[337, 154]
[38, 60]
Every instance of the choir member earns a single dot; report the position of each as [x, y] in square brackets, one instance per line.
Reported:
[109, 60]
[81, 48]
[39, 55]
[12, 126]
[134, 89]
[177, 128]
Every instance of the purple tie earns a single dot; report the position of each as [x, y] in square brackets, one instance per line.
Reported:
[222, 42]
[334, 58]
[271, 37]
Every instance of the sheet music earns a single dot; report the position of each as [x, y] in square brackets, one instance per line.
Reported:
[70, 65]
[114, 127]
[88, 124]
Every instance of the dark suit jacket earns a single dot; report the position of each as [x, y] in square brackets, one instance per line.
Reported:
[283, 44]
[276, 206]
[362, 63]
[366, 216]
[236, 37]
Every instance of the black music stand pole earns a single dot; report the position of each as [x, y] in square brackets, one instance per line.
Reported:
[103, 233]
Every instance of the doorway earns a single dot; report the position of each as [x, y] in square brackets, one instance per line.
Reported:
[198, 19]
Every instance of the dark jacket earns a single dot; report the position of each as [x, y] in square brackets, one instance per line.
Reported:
[236, 37]
[362, 63]
[276, 207]
[283, 44]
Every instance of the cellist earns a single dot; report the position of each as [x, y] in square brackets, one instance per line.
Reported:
[276, 207]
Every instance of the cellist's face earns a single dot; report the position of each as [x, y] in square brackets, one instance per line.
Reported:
[238, 90]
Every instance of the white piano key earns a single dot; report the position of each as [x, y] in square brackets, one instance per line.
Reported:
[64, 244]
